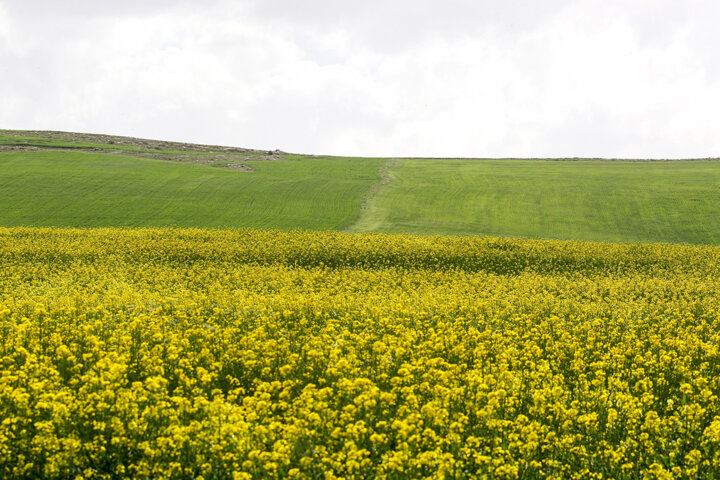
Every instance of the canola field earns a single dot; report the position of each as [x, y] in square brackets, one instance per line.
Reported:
[239, 354]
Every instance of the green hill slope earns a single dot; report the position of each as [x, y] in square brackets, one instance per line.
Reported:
[627, 201]
[92, 190]
[65, 179]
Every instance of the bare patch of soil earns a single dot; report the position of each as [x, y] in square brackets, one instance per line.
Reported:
[231, 158]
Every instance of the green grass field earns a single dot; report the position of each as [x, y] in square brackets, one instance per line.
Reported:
[58, 179]
[628, 201]
[93, 190]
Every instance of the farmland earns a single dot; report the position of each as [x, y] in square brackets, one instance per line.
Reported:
[80, 180]
[228, 313]
[189, 353]
[95, 190]
[621, 201]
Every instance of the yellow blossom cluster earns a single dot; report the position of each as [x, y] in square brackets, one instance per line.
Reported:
[239, 354]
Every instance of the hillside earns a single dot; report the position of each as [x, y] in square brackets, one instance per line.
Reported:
[84, 180]
[622, 201]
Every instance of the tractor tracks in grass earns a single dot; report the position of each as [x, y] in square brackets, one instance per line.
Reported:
[371, 214]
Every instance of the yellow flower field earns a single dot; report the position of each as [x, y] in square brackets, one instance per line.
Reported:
[261, 354]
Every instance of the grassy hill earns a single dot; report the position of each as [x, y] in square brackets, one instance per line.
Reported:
[65, 179]
[672, 201]
[72, 186]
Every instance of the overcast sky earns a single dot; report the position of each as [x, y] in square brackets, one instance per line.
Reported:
[470, 78]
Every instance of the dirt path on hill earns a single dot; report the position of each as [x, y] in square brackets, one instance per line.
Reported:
[370, 217]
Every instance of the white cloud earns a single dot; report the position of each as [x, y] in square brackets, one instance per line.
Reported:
[4, 23]
[424, 78]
